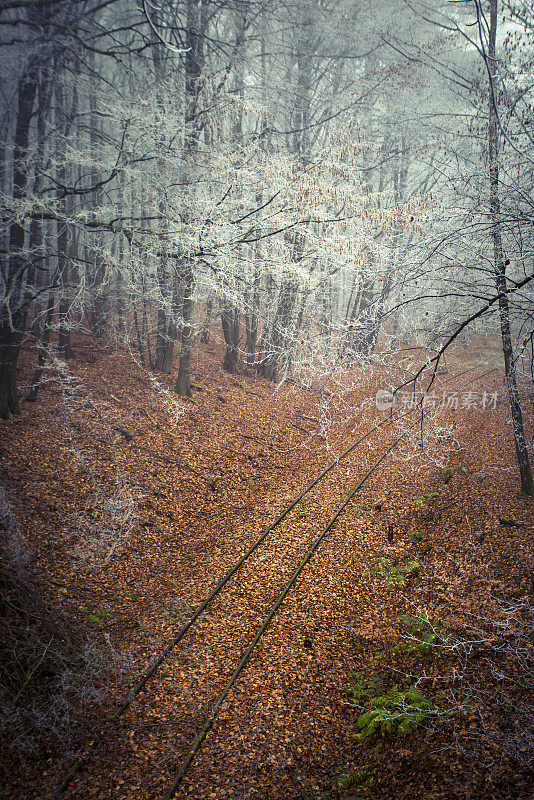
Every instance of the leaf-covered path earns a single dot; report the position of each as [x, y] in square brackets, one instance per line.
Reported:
[204, 490]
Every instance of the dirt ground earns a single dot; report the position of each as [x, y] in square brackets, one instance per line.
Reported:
[133, 503]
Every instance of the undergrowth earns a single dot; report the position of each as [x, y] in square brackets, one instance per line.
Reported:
[393, 575]
[394, 712]
[52, 673]
[471, 687]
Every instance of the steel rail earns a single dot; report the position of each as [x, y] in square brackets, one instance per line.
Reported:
[197, 743]
[156, 663]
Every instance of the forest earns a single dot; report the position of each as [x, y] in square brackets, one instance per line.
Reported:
[266, 399]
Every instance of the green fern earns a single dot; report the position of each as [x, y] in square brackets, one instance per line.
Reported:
[425, 631]
[395, 576]
[360, 779]
[424, 497]
[364, 687]
[395, 713]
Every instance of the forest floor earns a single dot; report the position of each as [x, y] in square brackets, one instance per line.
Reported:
[133, 503]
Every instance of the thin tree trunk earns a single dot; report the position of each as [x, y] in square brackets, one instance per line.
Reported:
[205, 336]
[183, 383]
[99, 303]
[252, 319]
[145, 333]
[138, 335]
[277, 343]
[196, 23]
[527, 482]
[43, 348]
[63, 126]
[230, 326]
[161, 338]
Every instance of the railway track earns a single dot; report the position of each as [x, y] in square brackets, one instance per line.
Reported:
[310, 550]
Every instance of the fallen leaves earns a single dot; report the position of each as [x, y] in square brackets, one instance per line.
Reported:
[287, 707]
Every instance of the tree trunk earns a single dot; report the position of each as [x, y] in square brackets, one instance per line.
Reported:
[168, 329]
[12, 319]
[43, 348]
[9, 352]
[230, 326]
[372, 336]
[360, 320]
[63, 126]
[162, 341]
[97, 276]
[252, 321]
[277, 342]
[205, 336]
[139, 337]
[197, 20]
[183, 383]
[527, 482]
